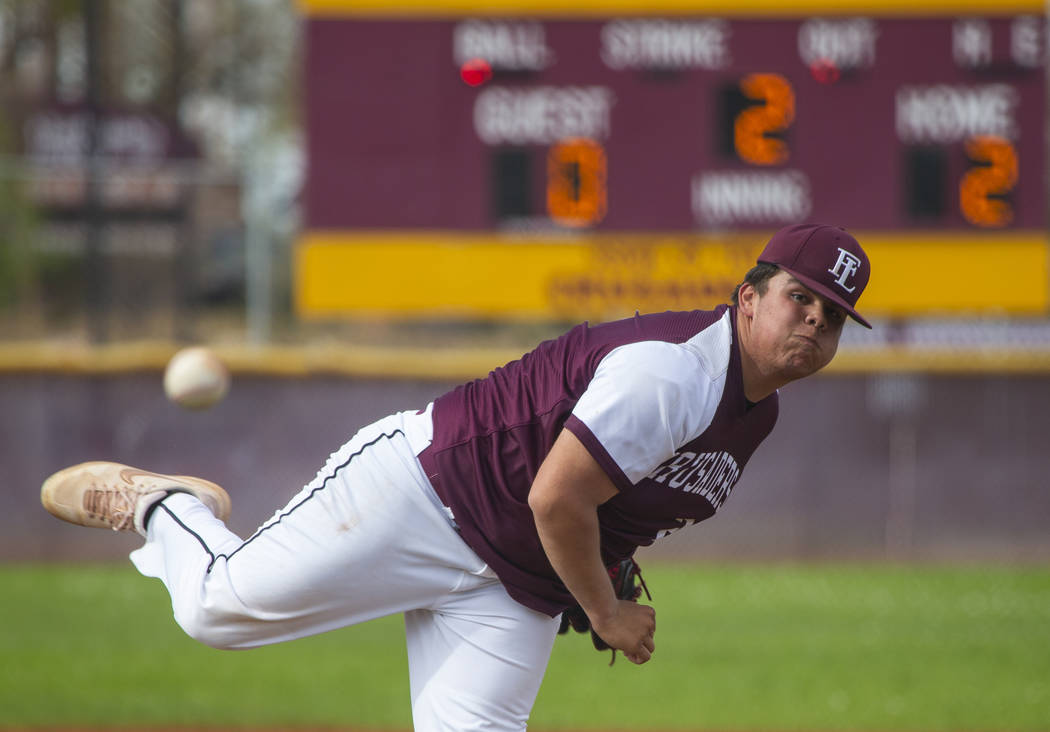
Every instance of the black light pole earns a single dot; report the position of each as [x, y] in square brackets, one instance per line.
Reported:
[184, 305]
[96, 269]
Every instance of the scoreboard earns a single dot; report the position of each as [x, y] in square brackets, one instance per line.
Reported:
[569, 138]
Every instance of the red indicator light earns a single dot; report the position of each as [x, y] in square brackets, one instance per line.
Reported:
[475, 72]
[825, 71]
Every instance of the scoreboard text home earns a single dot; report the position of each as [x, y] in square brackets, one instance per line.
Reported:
[622, 162]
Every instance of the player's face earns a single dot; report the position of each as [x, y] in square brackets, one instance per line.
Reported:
[794, 331]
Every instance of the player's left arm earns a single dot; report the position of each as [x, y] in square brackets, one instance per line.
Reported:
[569, 487]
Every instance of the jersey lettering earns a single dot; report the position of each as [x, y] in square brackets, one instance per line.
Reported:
[710, 475]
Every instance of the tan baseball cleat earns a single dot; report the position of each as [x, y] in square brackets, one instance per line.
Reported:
[113, 496]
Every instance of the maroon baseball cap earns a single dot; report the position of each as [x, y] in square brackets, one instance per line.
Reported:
[826, 259]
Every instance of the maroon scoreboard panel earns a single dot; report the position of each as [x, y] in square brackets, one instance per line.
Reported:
[679, 123]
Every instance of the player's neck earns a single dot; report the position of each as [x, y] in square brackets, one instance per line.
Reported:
[757, 386]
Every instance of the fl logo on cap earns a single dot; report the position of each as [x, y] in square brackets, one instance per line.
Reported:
[845, 267]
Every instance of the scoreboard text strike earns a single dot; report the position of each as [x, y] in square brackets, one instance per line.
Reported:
[639, 134]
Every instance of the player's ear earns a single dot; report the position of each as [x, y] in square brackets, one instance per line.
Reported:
[747, 297]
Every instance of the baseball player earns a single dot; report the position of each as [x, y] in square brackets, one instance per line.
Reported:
[505, 502]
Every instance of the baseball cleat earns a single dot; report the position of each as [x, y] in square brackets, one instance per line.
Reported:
[106, 495]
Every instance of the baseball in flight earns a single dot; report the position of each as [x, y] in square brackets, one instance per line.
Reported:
[195, 378]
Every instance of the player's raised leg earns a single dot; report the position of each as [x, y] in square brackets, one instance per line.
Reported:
[362, 540]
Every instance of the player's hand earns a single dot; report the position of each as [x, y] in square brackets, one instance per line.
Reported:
[630, 628]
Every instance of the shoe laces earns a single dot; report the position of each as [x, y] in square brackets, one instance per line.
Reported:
[114, 506]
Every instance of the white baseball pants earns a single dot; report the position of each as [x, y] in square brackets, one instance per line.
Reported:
[366, 538]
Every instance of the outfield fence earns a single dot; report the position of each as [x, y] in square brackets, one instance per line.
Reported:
[879, 466]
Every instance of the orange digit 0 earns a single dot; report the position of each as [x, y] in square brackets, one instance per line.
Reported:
[576, 174]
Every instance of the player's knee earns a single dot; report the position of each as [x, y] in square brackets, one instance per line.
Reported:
[206, 626]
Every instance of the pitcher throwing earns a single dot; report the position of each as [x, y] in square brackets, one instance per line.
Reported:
[504, 503]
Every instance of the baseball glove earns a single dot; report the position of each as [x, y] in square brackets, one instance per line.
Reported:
[627, 583]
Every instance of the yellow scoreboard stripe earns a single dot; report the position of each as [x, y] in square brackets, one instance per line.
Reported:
[424, 274]
[946, 274]
[606, 8]
[428, 275]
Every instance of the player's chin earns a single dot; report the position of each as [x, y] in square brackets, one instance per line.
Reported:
[805, 362]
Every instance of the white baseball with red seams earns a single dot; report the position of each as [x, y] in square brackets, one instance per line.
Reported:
[196, 378]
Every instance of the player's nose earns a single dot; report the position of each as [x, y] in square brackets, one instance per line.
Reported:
[815, 315]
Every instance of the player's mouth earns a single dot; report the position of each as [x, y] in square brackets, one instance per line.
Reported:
[808, 341]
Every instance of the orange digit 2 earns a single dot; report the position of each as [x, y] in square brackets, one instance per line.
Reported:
[982, 189]
[755, 126]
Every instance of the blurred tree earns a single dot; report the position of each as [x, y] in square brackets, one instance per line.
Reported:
[17, 221]
[220, 78]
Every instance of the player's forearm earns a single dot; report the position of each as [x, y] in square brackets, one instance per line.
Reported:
[565, 495]
[568, 530]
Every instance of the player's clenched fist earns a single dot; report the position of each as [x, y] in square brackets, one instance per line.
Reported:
[631, 629]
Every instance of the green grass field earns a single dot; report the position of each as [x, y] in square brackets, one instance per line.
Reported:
[738, 648]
